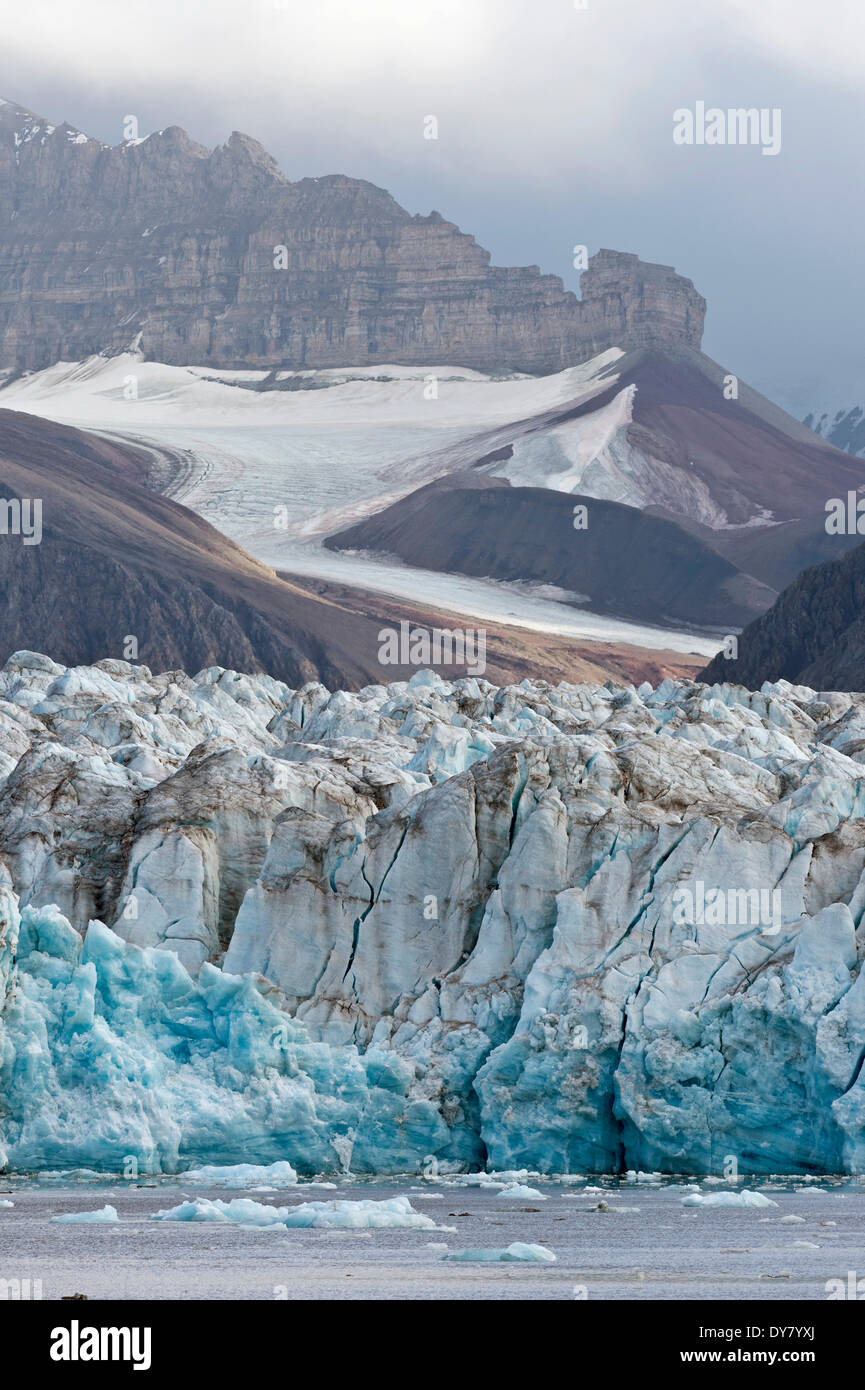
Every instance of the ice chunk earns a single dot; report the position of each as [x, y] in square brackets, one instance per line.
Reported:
[273, 1175]
[88, 1218]
[516, 1251]
[520, 1190]
[394, 1212]
[242, 1211]
[745, 1198]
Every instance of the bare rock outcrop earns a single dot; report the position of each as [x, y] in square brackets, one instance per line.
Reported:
[213, 257]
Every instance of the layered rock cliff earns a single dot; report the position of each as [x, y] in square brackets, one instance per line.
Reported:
[213, 257]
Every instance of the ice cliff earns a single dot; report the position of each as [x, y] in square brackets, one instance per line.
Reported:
[522, 927]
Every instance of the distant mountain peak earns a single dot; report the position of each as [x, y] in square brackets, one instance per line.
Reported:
[843, 428]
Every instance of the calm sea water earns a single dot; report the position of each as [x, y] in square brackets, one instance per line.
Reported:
[662, 1250]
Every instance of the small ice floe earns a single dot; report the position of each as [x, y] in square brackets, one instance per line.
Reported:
[395, 1213]
[437, 1247]
[745, 1198]
[633, 1176]
[518, 1250]
[4, 1203]
[519, 1190]
[88, 1218]
[789, 1220]
[805, 1245]
[242, 1175]
[73, 1174]
[241, 1211]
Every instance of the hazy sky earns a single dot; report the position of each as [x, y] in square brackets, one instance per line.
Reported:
[555, 128]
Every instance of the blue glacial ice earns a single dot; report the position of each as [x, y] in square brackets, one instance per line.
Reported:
[102, 1216]
[428, 927]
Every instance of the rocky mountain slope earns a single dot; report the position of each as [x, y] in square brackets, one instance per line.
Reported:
[116, 560]
[572, 928]
[654, 429]
[214, 257]
[480, 526]
[724, 497]
[814, 632]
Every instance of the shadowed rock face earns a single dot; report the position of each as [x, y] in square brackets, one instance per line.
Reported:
[814, 633]
[668, 576]
[169, 240]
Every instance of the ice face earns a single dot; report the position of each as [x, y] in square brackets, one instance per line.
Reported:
[428, 926]
[114, 1057]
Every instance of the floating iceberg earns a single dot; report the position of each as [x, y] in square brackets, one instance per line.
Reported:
[242, 1175]
[516, 1251]
[242, 1211]
[393, 1213]
[88, 1218]
[396, 1212]
[745, 1198]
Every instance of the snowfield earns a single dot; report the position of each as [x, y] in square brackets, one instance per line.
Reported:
[428, 927]
[277, 471]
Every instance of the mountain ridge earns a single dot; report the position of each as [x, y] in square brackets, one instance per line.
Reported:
[214, 258]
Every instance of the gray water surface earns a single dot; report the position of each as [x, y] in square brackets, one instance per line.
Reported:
[661, 1251]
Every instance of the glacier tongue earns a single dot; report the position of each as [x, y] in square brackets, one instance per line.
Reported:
[565, 929]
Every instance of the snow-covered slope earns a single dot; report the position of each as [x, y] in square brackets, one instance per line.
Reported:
[565, 928]
[845, 428]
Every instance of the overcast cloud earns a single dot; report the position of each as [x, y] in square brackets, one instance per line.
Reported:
[555, 128]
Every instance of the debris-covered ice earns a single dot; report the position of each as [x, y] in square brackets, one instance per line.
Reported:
[428, 926]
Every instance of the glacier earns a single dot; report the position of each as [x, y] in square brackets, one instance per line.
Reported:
[428, 927]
